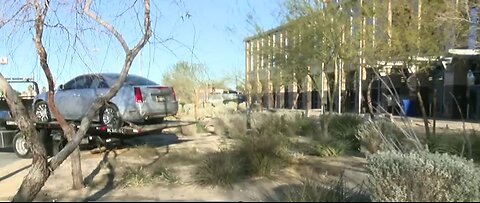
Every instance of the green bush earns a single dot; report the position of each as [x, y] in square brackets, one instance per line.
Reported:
[422, 176]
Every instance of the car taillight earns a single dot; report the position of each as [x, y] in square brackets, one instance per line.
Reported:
[138, 95]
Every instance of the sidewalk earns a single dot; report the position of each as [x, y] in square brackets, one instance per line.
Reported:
[443, 123]
[11, 177]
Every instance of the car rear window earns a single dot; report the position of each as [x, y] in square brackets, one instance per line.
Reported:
[136, 80]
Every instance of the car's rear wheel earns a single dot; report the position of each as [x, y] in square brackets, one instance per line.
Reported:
[110, 116]
[42, 113]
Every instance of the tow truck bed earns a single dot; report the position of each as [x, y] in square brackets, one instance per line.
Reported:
[103, 129]
[53, 140]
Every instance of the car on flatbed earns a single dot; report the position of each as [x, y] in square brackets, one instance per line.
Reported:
[98, 134]
[139, 100]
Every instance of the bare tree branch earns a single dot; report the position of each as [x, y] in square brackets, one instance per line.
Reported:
[12, 18]
[105, 24]
[42, 53]
[130, 56]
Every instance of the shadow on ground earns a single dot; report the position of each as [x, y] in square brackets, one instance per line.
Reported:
[298, 192]
[8, 149]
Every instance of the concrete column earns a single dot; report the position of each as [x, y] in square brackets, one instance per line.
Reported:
[455, 87]
[248, 67]
[307, 96]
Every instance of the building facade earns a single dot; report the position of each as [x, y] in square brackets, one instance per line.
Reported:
[390, 41]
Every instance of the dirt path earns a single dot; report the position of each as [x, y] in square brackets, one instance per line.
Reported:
[103, 171]
[56, 187]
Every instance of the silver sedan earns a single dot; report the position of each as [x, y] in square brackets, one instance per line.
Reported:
[139, 100]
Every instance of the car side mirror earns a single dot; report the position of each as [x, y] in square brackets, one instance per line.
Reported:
[61, 87]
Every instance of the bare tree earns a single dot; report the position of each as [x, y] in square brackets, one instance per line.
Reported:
[41, 168]
[68, 130]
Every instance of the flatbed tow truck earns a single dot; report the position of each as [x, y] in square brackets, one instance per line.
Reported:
[51, 135]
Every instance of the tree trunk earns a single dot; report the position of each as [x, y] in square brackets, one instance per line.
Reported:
[424, 114]
[369, 98]
[40, 170]
[434, 113]
[77, 176]
[68, 131]
[295, 102]
[38, 174]
[34, 181]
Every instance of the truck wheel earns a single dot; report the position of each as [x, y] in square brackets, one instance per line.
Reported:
[20, 146]
[42, 113]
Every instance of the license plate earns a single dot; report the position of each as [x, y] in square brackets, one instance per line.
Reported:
[160, 99]
[11, 123]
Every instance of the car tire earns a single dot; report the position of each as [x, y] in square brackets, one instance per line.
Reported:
[110, 116]
[41, 112]
[20, 146]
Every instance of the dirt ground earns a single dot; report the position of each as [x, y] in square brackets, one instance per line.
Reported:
[103, 171]
[105, 176]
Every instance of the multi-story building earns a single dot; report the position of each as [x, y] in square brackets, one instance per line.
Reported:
[386, 55]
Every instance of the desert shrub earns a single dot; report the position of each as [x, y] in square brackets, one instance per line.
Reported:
[460, 143]
[166, 174]
[334, 127]
[385, 135]
[475, 145]
[200, 128]
[305, 126]
[264, 151]
[136, 177]
[334, 191]
[332, 148]
[220, 169]
[242, 107]
[258, 153]
[344, 125]
[231, 107]
[237, 125]
[146, 151]
[422, 176]
[183, 157]
[230, 125]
